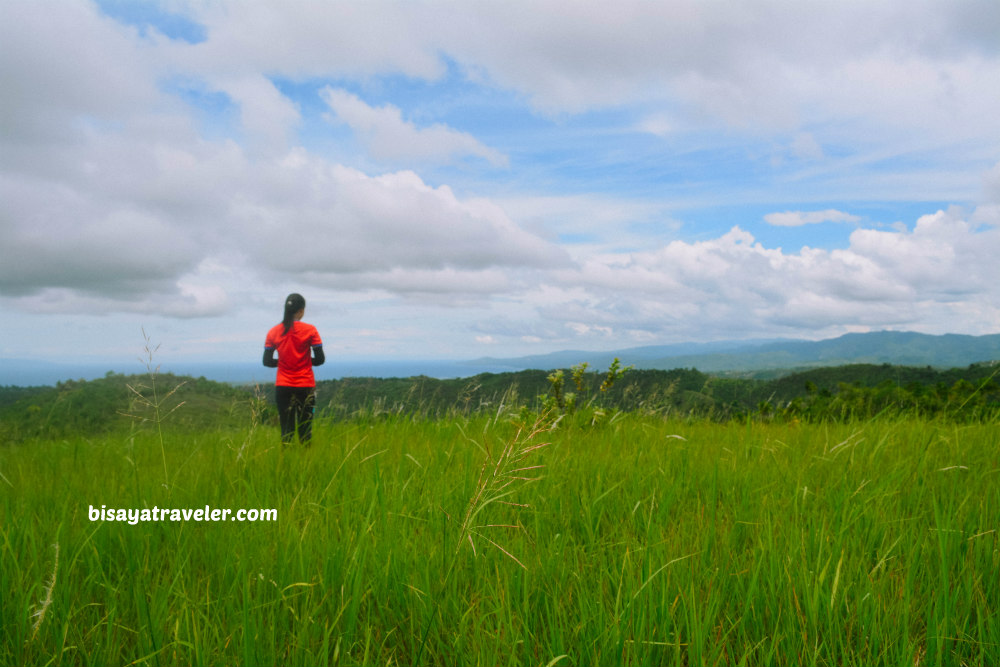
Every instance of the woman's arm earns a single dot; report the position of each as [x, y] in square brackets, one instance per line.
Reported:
[269, 359]
[318, 357]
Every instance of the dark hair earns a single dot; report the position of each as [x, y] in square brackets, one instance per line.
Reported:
[293, 304]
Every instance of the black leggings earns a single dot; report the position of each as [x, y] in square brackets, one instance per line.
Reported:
[295, 411]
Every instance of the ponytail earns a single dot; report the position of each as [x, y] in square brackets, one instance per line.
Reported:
[293, 304]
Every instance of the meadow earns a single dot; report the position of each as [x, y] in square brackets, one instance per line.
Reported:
[503, 538]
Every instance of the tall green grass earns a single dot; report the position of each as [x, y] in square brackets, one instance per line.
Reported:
[645, 542]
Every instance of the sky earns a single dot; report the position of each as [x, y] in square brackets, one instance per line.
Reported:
[455, 180]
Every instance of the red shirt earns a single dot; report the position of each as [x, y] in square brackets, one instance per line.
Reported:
[294, 353]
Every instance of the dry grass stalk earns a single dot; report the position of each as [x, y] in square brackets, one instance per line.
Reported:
[46, 602]
[500, 477]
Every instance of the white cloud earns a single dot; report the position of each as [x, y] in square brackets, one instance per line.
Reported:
[929, 279]
[307, 216]
[583, 329]
[187, 303]
[799, 218]
[117, 199]
[59, 67]
[776, 65]
[54, 238]
[314, 38]
[113, 201]
[843, 89]
[294, 216]
[765, 64]
[389, 137]
[991, 184]
[267, 116]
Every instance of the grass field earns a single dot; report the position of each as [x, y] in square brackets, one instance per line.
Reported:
[641, 541]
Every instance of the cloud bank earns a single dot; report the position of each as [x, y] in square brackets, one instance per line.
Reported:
[941, 271]
[147, 174]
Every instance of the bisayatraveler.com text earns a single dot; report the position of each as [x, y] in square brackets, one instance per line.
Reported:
[133, 516]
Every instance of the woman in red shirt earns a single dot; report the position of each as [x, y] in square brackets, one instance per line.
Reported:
[299, 348]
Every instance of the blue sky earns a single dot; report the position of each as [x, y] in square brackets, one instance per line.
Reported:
[458, 180]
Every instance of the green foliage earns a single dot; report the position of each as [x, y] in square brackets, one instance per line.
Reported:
[650, 540]
[12, 394]
[862, 391]
[837, 516]
[576, 403]
[615, 373]
[556, 399]
[110, 404]
[975, 397]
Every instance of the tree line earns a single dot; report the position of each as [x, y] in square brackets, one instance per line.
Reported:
[857, 391]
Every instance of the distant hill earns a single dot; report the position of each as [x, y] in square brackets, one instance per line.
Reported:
[85, 407]
[881, 347]
[641, 357]
[34, 372]
[761, 359]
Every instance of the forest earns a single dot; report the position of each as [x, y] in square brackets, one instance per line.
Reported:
[857, 391]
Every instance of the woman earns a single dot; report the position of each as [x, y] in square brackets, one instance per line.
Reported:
[299, 348]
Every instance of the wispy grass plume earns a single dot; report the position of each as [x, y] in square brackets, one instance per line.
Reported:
[46, 602]
[501, 476]
[150, 406]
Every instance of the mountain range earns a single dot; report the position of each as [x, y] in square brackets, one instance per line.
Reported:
[902, 348]
[772, 356]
